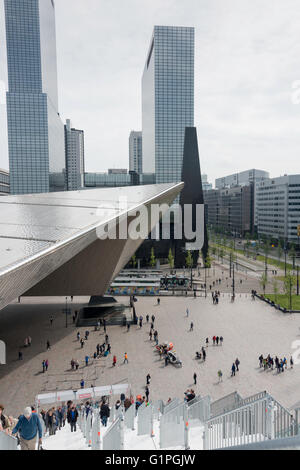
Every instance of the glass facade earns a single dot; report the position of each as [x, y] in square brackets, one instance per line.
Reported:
[136, 152]
[35, 130]
[167, 101]
[74, 144]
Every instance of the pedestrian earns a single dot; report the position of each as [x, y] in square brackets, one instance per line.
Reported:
[147, 318]
[106, 339]
[153, 318]
[148, 378]
[72, 418]
[78, 336]
[46, 364]
[220, 375]
[192, 327]
[204, 354]
[82, 384]
[86, 360]
[233, 370]
[20, 356]
[237, 363]
[114, 361]
[125, 358]
[48, 345]
[108, 348]
[195, 378]
[291, 362]
[51, 321]
[147, 393]
[104, 413]
[82, 343]
[28, 427]
[150, 335]
[207, 342]
[187, 312]
[217, 340]
[221, 340]
[158, 301]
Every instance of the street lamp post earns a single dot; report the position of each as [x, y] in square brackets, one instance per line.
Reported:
[297, 279]
[285, 254]
[66, 312]
[205, 279]
[233, 282]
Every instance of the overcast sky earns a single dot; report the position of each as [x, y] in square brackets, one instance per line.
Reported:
[247, 59]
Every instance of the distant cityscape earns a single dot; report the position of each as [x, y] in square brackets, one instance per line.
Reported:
[45, 155]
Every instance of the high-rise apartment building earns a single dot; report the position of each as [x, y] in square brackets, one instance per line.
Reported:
[74, 144]
[167, 101]
[136, 152]
[35, 130]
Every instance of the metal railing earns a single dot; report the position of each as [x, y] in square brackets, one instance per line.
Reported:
[145, 420]
[173, 404]
[114, 436]
[224, 404]
[174, 427]
[95, 434]
[129, 417]
[8, 442]
[260, 419]
[199, 411]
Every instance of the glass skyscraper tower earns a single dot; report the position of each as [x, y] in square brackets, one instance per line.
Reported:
[167, 100]
[35, 130]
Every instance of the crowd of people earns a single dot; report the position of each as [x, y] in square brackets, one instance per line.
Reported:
[279, 364]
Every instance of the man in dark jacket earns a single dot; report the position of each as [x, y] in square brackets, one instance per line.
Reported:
[72, 418]
[104, 413]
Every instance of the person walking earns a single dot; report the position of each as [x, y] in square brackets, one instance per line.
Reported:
[187, 312]
[72, 418]
[128, 326]
[192, 327]
[28, 427]
[82, 343]
[147, 393]
[114, 361]
[148, 378]
[195, 378]
[207, 342]
[150, 335]
[86, 360]
[104, 413]
[82, 384]
[46, 364]
[153, 318]
[220, 375]
[48, 345]
[147, 318]
[237, 363]
[125, 358]
[204, 354]
[233, 370]
[78, 336]
[291, 362]
[51, 321]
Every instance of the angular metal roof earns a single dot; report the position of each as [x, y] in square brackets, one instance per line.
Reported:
[33, 227]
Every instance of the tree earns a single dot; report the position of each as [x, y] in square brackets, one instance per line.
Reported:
[189, 260]
[292, 255]
[279, 252]
[275, 288]
[133, 261]
[263, 282]
[266, 250]
[171, 259]
[289, 285]
[152, 259]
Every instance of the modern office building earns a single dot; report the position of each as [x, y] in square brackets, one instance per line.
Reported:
[74, 145]
[35, 131]
[277, 208]
[114, 178]
[167, 100]
[206, 186]
[242, 178]
[136, 152]
[4, 182]
[231, 210]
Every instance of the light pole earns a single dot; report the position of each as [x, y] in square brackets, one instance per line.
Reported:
[285, 253]
[205, 279]
[297, 279]
[233, 282]
[66, 312]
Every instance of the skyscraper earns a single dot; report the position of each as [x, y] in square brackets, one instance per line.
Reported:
[74, 144]
[167, 100]
[35, 130]
[136, 152]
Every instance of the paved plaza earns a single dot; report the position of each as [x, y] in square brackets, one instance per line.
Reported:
[249, 328]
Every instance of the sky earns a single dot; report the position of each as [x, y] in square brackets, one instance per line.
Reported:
[247, 60]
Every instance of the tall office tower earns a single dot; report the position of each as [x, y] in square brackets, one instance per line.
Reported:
[35, 130]
[167, 101]
[74, 144]
[136, 152]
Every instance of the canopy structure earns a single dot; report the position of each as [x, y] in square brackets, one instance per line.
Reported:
[82, 394]
[49, 243]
